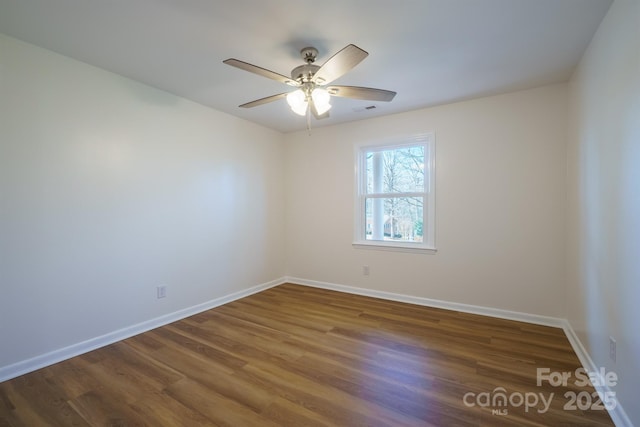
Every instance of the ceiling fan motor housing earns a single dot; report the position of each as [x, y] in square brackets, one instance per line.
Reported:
[304, 73]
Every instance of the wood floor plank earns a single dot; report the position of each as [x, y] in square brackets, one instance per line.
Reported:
[221, 410]
[37, 400]
[344, 409]
[303, 356]
[160, 409]
[103, 407]
[284, 412]
[72, 376]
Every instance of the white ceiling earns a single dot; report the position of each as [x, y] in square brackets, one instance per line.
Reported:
[429, 51]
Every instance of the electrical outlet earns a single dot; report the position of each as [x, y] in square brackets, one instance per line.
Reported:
[161, 291]
[612, 348]
[365, 270]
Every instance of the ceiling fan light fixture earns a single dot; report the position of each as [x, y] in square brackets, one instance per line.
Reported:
[298, 102]
[313, 96]
[321, 100]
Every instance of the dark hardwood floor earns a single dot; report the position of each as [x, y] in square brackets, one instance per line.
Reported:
[300, 356]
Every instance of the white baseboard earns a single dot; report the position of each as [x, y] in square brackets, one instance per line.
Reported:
[618, 415]
[428, 302]
[41, 361]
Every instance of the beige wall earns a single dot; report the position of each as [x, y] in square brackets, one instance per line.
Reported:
[109, 188]
[500, 181]
[603, 292]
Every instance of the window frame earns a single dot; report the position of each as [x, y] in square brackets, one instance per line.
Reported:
[429, 195]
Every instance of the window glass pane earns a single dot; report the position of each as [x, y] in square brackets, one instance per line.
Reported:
[399, 170]
[396, 219]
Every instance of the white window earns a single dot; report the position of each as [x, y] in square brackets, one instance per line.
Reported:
[395, 195]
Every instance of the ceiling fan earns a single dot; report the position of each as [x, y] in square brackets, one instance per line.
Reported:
[313, 91]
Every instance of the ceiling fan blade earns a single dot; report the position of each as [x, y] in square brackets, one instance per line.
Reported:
[339, 64]
[314, 111]
[356, 92]
[261, 71]
[265, 100]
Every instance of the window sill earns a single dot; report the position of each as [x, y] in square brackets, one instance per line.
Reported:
[394, 247]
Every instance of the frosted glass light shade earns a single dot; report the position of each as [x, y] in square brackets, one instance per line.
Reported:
[321, 100]
[298, 102]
